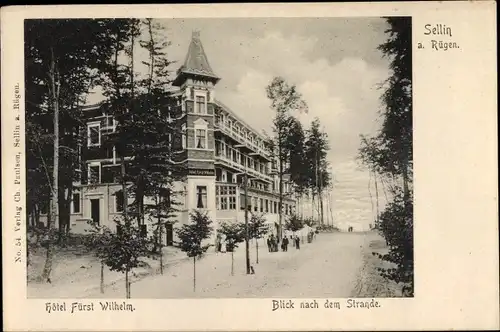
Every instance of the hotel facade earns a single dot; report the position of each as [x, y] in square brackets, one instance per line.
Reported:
[217, 149]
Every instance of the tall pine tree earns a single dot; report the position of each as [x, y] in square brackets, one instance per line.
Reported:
[390, 152]
[285, 100]
[316, 150]
[62, 57]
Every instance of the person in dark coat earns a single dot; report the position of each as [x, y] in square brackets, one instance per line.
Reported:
[269, 244]
[285, 244]
[297, 242]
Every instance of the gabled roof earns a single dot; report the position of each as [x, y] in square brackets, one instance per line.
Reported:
[196, 62]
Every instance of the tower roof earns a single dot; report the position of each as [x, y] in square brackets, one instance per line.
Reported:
[196, 62]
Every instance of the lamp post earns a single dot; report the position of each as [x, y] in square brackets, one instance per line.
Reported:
[247, 245]
[247, 233]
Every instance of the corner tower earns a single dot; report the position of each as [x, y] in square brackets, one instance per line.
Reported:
[196, 66]
[196, 81]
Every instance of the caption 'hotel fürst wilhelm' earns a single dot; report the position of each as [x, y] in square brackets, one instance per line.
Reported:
[217, 149]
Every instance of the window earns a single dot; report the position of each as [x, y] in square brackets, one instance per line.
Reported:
[217, 148]
[267, 206]
[261, 205]
[226, 197]
[165, 198]
[223, 203]
[144, 231]
[275, 207]
[94, 174]
[94, 134]
[76, 203]
[232, 203]
[201, 197]
[44, 207]
[201, 138]
[184, 136]
[242, 202]
[119, 201]
[200, 105]
[169, 140]
[108, 174]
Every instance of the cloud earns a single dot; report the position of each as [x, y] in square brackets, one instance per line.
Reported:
[343, 96]
[335, 66]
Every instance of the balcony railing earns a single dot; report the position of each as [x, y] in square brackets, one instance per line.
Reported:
[226, 129]
[229, 162]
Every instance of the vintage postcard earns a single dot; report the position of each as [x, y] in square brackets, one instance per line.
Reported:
[250, 167]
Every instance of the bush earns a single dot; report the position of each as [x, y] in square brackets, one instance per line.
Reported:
[396, 226]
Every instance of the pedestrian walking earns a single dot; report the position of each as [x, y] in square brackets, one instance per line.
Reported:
[274, 244]
[218, 244]
[285, 244]
[223, 245]
[297, 242]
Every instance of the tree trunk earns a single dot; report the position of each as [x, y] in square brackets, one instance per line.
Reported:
[127, 285]
[194, 274]
[302, 207]
[232, 262]
[64, 204]
[280, 152]
[102, 278]
[406, 189]
[321, 208]
[247, 246]
[376, 197]
[37, 216]
[161, 259]
[257, 249]
[54, 89]
[125, 214]
[160, 239]
[369, 190]
[313, 206]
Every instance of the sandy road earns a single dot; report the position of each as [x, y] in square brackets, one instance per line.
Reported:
[328, 267]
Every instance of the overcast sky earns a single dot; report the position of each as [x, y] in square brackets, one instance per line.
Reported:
[333, 62]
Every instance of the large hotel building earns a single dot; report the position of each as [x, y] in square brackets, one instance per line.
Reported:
[217, 148]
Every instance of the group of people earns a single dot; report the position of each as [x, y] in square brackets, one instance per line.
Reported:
[273, 242]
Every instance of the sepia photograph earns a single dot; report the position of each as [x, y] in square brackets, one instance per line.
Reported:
[219, 158]
[250, 167]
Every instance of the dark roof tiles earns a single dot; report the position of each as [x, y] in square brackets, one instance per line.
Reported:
[196, 61]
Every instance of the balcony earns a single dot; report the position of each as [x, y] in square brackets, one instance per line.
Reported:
[241, 168]
[244, 141]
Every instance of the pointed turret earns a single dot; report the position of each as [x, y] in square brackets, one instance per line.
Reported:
[196, 64]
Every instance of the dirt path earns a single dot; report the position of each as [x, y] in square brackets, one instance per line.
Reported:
[326, 267]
